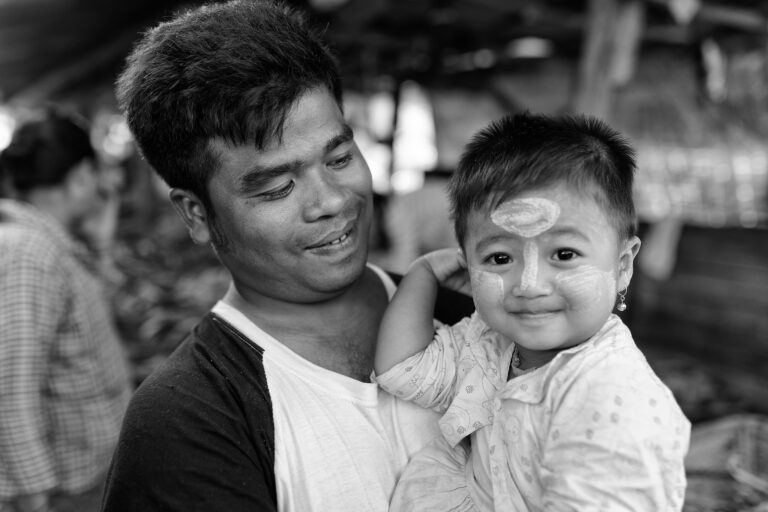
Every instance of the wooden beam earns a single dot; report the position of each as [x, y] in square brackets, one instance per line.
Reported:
[613, 32]
[742, 18]
[630, 27]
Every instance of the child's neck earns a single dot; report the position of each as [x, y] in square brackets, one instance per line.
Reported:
[529, 359]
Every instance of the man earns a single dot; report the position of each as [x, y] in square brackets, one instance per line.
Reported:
[64, 383]
[267, 405]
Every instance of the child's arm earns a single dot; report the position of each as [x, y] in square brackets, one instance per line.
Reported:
[407, 326]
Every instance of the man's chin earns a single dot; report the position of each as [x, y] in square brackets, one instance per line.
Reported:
[340, 278]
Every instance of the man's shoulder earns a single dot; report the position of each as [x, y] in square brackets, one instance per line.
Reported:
[212, 346]
[198, 430]
[213, 364]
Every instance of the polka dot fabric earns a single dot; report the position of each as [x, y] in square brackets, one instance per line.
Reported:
[595, 429]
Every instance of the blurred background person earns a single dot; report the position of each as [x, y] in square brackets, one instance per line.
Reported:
[64, 382]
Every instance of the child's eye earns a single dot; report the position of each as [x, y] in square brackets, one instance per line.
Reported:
[340, 162]
[279, 192]
[565, 254]
[498, 258]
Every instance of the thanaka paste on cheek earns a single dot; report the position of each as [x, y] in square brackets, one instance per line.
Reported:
[585, 286]
[528, 218]
[486, 284]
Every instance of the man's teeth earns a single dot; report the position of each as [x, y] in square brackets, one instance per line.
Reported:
[339, 240]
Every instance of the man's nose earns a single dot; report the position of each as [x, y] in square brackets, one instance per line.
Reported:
[326, 198]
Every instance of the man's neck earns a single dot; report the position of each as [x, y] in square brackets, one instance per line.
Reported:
[338, 334]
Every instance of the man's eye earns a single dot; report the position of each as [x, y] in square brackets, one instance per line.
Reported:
[498, 258]
[278, 193]
[340, 162]
[565, 254]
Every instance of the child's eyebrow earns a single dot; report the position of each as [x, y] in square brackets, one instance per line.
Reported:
[566, 231]
[483, 243]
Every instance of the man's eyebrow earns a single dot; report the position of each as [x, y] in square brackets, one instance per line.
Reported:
[258, 175]
[346, 135]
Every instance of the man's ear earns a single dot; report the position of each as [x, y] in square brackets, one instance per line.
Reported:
[626, 262]
[193, 213]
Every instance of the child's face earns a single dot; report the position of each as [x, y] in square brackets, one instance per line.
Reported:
[545, 267]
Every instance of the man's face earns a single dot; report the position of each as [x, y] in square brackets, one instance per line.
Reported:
[294, 217]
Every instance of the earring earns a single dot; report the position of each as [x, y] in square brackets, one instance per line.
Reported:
[621, 306]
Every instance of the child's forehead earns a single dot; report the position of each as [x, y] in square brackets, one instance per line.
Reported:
[540, 210]
[562, 194]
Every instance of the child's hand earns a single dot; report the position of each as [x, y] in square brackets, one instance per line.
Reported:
[449, 268]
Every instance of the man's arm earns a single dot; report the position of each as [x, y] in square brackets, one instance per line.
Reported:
[179, 453]
[407, 326]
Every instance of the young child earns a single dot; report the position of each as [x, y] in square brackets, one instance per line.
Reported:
[549, 405]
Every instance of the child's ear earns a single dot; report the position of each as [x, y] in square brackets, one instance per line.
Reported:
[626, 262]
[193, 213]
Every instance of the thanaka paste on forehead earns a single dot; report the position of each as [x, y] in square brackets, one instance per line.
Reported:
[526, 217]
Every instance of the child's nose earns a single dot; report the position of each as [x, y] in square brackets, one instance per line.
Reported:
[532, 282]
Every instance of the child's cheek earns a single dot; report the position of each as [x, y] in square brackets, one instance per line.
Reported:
[487, 287]
[585, 287]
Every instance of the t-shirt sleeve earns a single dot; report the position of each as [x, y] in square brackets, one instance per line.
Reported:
[185, 447]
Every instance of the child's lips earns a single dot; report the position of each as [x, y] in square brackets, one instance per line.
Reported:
[536, 315]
